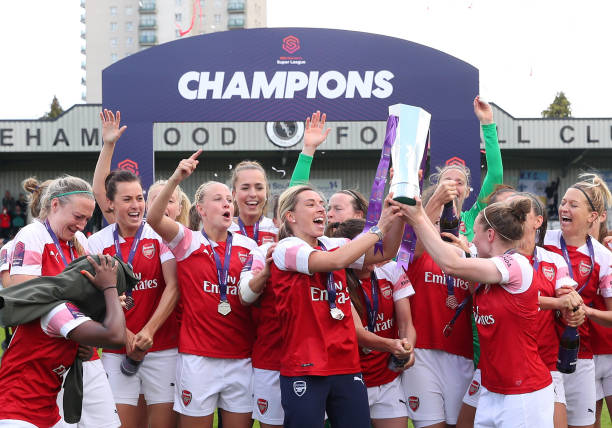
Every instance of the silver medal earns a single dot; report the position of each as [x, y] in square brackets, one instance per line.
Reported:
[224, 307]
[336, 314]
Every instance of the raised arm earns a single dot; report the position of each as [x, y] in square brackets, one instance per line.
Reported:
[111, 332]
[314, 135]
[446, 255]
[110, 134]
[163, 225]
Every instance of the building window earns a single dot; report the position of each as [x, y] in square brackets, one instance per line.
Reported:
[147, 36]
[129, 10]
[178, 17]
[113, 57]
[113, 26]
[113, 42]
[129, 26]
[129, 41]
[217, 3]
[217, 19]
[147, 21]
[177, 33]
[113, 11]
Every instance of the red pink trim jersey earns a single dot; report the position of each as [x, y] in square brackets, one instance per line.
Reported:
[506, 318]
[204, 331]
[147, 265]
[430, 312]
[6, 254]
[600, 281]
[33, 365]
[393, 285]
[267, 233]
[313, 343]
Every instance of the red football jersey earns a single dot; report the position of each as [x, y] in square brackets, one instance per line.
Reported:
[506, 318]
[6, 254]
[393, 285]
[601, 337]
[204, 331]
[33, 366]
[266, 234]
[552, 273]
[267, 345]
[430, 314]
[600, 279]
[313, 343]
[147, 265]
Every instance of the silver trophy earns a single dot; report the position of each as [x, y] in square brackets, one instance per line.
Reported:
[407, 151]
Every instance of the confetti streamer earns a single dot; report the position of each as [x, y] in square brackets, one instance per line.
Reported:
[230, 166]
[280, 171]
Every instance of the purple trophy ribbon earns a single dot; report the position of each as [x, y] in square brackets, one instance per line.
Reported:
[380, 180]
[406, 251]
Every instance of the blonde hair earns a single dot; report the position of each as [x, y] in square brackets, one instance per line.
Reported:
[599, 197]
[435, 177]
[182, 200]
[35, 191]
[243, 166]
[287, 202]
[59, 189]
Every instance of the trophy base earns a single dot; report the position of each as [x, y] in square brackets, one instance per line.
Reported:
[405, 200]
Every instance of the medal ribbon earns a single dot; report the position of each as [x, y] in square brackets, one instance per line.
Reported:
[331, 289]
[372, 307]
[132, 253]
[255, 229]
[57, 244]
[222, 270]
[380, 180]
[569, 262]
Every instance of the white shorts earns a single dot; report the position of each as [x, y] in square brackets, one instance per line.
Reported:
[99, 409]
[203, 384]
[533, 409]
[435, 385]
[473, 392]
[388, 400]
[155, 378]
[267, 407]
[580, 393]
[603, 376]
[558, 387]
[15, 423]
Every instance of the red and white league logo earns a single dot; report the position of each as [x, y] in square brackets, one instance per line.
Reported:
[291, 44]
[129, 165]
[455, 161]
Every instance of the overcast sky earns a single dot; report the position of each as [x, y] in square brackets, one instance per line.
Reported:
[526, 50]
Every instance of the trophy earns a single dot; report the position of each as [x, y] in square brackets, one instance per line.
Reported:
[407, 152]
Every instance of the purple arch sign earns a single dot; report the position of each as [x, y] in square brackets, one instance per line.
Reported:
[283, 74]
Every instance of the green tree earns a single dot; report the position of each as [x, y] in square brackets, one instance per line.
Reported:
[560, 108]
[55, 111]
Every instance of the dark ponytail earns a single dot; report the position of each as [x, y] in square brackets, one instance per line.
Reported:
[506, 218]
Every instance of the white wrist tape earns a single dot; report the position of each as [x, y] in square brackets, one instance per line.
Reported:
[246, 294]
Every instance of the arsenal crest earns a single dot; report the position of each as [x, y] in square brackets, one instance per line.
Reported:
[262, 405]
[299, 387]
[386, 291]
[549, 272]
[413, 402]
[267, 240]
[243, 257]
[584, 268]
[186, 396]
[148, 250]
[474, 387]
[60, 370]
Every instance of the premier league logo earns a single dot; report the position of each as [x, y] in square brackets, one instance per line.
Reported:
[549, 272]
[186, 397]
[474, 387]
[148, 250]
[413, 402]
[299, 387]
[18, 254]
[262, 405]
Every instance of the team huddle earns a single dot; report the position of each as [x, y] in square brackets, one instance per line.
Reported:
[305, 317]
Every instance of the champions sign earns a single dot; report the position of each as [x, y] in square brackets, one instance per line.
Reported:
[281, 75]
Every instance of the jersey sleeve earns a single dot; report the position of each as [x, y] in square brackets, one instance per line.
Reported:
[164, 252]
[402, 287]
[301, 173]
[184, 243]
[94, 242]
[291, 254]
[5, 256]
[562, 277]
[61, 320]
[605, 276]
[27, 253]
[516, 272]
[256, 261]
[333, 243]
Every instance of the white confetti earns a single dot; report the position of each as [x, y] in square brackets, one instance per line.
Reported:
[216, 175]
[230, 166]
[280, 171]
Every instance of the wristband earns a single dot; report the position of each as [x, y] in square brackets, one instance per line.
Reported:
[247, 295]
[108, 288]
